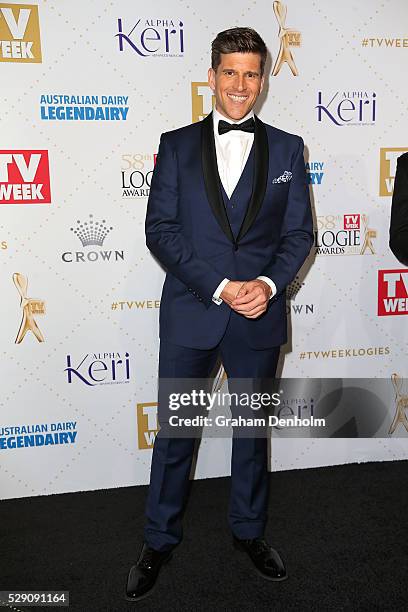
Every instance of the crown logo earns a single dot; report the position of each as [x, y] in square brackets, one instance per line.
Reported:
[91, 232]
[293, 289]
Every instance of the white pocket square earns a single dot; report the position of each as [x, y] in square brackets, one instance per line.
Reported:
[283, 178]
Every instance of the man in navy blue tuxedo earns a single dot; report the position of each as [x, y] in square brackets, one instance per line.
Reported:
[229, 218]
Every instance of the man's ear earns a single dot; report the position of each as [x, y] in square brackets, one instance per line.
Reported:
[211, 78]
[262, 83]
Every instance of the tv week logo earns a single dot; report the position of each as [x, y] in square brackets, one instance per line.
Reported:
[392, 292]
[147, 424]
[19, 33]
[24, 177]
[352, 222]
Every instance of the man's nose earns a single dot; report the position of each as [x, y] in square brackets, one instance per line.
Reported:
[240, 82]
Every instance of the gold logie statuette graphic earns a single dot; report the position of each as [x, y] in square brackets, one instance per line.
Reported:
[401, 404]
[288, 38]
[30, 307]
[369, 234]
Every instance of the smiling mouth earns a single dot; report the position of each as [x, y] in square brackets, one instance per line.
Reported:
[239, 99]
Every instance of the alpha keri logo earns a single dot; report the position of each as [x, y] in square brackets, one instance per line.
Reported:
[355, 107]
[19, 33]
[202, 100]
[24, 177]
[392, 292]
[93, 369]
[147, 424]
[388, 168]
[152, 37]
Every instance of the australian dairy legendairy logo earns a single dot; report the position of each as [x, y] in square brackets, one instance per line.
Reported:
[38, 434]
[315, 172]
[63, 107]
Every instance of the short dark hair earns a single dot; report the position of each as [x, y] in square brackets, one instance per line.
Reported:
[237, 40]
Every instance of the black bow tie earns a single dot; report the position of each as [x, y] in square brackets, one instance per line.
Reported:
[245, 126]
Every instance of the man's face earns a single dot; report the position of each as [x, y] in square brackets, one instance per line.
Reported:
[237, 83]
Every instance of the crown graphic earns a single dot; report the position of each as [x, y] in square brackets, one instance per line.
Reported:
[293, 289]
[91, 232]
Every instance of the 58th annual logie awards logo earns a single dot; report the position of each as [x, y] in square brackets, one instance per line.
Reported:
[137, 171]
[345, 234]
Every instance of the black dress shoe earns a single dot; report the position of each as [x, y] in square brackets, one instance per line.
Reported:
[266, 559]
[142, 576]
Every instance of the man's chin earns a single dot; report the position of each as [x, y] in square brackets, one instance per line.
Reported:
[238, 114]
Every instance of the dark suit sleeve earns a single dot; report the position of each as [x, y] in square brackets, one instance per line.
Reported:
[399, 212]
[297, 231]
[164, 232]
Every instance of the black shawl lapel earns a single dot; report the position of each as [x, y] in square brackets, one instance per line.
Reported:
[261, 165]
[212, 179]
[211, 176]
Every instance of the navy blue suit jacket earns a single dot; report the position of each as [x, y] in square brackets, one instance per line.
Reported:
[188, 230]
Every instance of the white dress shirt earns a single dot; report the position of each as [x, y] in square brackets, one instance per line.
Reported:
[233, 149]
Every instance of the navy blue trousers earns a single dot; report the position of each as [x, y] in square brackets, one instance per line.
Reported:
[172, 457]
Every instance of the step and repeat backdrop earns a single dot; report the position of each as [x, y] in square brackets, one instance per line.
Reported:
[87, 89]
